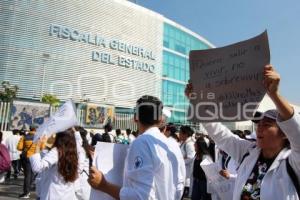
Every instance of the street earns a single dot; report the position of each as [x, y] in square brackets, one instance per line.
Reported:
[11, 189]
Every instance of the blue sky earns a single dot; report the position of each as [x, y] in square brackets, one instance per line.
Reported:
[223, 22]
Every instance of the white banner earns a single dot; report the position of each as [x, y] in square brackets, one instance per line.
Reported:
[110, 159]
[63, 119]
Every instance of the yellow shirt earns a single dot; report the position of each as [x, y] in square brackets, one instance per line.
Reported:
[26, 144]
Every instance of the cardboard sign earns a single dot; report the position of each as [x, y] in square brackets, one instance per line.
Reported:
[228, 81]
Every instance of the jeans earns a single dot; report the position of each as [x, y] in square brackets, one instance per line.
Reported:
[28, 175]
[16, 167]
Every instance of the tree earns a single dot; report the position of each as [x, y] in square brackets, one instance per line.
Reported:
[51, 99]
[7, 91]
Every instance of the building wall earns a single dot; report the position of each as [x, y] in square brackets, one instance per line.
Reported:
[45, 48]
[178, 41]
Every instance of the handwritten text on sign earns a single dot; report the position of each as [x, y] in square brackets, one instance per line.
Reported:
[227, 81]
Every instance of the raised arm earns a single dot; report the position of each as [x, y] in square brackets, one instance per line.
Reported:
[271, 82]
[39, 164]
[223, 137]
[288, 120]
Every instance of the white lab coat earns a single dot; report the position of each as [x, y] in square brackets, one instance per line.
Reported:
[131, 138]
[188, 152]
[54, 187]
[82, 187]
[276, 184]
[11, 144]
[181, 166]
[151, 169]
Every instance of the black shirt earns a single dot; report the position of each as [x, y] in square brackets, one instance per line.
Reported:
[198, 172]
[251, 190]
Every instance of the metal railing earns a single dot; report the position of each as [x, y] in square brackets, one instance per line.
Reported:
[5, 110]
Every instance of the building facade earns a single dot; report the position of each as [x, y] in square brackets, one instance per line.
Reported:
[98, 51]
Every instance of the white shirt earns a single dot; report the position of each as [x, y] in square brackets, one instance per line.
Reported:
[276, 184]
[11, 144]
[82, 187]
[131, 138]
[54, 188]
[151, 169]
[188, 152]
[175, 148]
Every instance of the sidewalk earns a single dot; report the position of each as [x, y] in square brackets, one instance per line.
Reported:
[11, 189]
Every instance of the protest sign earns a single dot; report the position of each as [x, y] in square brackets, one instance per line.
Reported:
[228, 81]
[63, 119]
[217, 184]
[110, 159]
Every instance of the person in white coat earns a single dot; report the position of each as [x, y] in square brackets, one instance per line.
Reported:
[166, 129]
[198, 178]
[151, 168]
[188, 152]
[61, 166]
[263, 174]
[83, 189]
[11, 144]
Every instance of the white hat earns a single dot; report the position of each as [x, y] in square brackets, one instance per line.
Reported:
[252, 136]
[166, 112]
[272, 114]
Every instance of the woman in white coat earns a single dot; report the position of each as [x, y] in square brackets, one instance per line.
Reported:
[263, 173]
[61, 166]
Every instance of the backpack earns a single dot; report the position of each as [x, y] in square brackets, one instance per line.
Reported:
[4, 159]
[106, 137]
[293, 176]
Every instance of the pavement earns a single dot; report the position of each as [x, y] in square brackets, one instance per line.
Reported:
[11, 189]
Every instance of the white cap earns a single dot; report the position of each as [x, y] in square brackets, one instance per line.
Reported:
[166, 112]
[252, 136]
[272, 114]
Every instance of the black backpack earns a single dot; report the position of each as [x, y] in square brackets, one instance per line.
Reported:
[106, 137]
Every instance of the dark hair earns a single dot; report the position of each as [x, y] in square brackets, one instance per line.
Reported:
[287, 143]
[128, 131]
[15, 131]
[22, 132]
[85, 144]
[135, 133]
[118, 131]
[67, 155]
[202, 147]
[148, 110]
[172, 128]
[106, 137]
[108, 127]
[187, 130]
[32, 128]
[239, 133]
[1, 135]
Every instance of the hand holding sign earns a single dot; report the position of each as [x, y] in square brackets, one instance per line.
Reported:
[227, 82]
[63, 119]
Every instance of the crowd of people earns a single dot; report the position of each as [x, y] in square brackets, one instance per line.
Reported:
[165, 161]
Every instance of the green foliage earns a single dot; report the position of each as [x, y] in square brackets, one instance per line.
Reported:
[7, 91]
[51, 99]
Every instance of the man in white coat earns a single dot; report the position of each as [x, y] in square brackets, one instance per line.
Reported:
[188, 152]
[11, 144]
[151, 168]
[176, 149]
